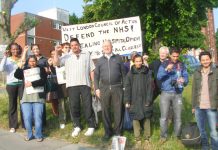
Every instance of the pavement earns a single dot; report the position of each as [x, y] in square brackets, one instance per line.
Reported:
[15, 141]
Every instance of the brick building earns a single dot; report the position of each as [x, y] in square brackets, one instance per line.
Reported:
[47, 33]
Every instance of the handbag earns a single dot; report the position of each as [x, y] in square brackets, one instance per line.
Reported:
[127, 121]
[190, 135]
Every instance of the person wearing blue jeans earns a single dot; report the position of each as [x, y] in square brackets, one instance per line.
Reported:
[32, 103]
[173, 76]
[33, 111]
[205, 100]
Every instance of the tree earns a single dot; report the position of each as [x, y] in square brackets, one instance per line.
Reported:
[164, 22]
[73, 19]
[5, 24]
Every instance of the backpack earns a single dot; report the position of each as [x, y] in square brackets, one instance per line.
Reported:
[190, 135]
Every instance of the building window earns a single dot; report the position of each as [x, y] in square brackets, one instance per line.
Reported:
[56, 42]
[56, 25]
[30, 40]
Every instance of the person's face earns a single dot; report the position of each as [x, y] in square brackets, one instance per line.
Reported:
[36, 50]
[32, 63]
[163, 54]
[205, 61]
[52, 54]
[138, 62]
[14, 50]
[107, 47]
[75, 47]
[65, 48]
[174, 57]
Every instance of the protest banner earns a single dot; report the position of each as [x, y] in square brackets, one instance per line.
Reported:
[31, 75]
[125, 35]
[61, 75]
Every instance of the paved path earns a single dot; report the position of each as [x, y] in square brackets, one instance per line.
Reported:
[15, 141]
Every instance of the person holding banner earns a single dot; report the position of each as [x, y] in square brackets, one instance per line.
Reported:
[14, 88]
[108, 79]
[41, 61]
[79, 69]
[33, 99]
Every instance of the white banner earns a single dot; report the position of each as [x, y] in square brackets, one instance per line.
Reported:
[61, 76]
[125, 35]
[33, 75]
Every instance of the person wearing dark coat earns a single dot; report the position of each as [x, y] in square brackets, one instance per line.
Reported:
[154, 66]
[138, 97]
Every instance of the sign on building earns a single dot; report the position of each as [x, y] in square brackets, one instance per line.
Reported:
[125, 35]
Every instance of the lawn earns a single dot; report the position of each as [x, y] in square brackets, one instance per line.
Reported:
[52, 129]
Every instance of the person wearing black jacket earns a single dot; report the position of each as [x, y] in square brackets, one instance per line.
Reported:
[138, 98]
[154, 66]
[33, 98]
[108, 80]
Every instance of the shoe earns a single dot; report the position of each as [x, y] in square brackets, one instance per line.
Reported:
[39, 140]
[12, 130]
[162, 140]
[147, 145]
[76, 132]
[89, 132]
[27, 139]
[62, 126]
[138, 144]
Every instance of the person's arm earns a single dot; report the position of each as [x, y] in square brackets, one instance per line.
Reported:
[42, 80]
[149, 91]
[127, 91]
[3, 63]
[193, 91]
[97, 79]
[56, 60]
[162, 73]
[122, 70]
[185, 76]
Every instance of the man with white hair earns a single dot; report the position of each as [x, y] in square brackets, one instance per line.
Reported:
[154, 66]
[108, 80]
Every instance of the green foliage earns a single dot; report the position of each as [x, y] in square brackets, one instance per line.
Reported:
[164, 22]
[73, 19]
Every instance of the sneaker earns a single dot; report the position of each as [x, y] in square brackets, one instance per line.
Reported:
[138, 144]
[147, 145]
[39, 140]
[27, 139]
[89, 132]
[62, 126]
[12, 130]
[76, 132]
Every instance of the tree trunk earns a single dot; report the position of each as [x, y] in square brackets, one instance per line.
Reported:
[5, 22]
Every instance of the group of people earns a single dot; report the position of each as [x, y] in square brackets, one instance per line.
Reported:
[134, 86]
